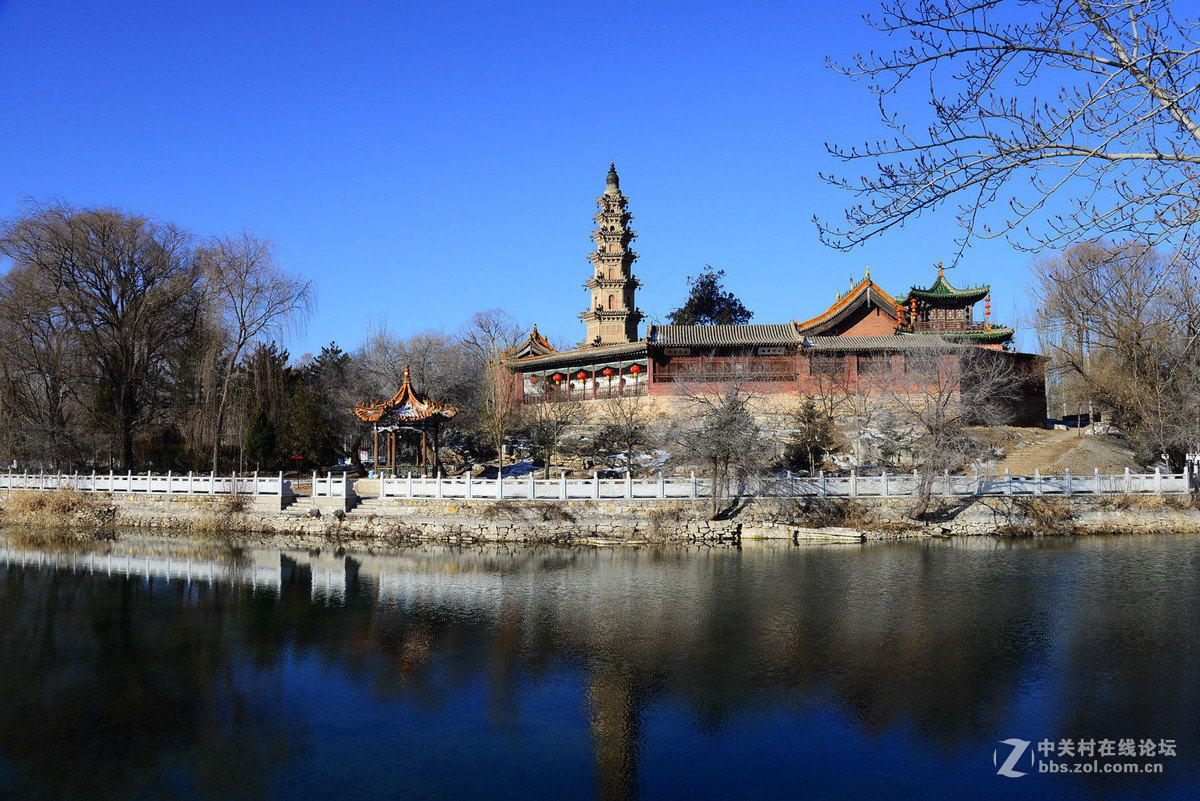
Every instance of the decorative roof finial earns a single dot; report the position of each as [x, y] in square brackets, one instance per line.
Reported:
[613, 181]
[940, 273]
[868, 278]
[406, 374]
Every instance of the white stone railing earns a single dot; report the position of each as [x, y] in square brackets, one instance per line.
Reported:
[886, 485]
[561, 489]
[945, 486]
[149, 483]
[895, 485]
[331, 486]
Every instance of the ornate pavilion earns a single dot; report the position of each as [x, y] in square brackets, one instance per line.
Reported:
[405, 411]
[864, 325]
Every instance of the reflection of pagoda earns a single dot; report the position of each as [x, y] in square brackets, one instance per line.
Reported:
[406, 411]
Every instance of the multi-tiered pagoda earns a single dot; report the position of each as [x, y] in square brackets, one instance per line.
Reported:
[612, 317]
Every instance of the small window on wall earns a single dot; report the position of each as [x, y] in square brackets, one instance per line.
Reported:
[872, 363]
[826, 364]
[610, 301]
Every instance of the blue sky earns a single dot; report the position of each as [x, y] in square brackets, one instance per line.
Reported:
[423, 161]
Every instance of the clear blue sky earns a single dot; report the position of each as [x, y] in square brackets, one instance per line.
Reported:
[423, 161]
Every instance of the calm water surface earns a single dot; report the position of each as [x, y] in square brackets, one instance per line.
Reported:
[882, 670]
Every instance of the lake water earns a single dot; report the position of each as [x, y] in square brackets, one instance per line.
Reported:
[838, 671]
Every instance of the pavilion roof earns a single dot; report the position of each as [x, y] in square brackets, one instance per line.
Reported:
[406, 406]
[942, 290]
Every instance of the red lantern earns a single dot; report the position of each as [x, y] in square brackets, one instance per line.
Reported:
[635, 369]
[533, 380]
[581, 375]
[558, 378]
[608, 372]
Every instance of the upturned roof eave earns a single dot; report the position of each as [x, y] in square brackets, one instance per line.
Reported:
[577, 356]
[846, 304]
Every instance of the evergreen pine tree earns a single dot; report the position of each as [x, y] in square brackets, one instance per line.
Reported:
[309, 434]
[259, 442]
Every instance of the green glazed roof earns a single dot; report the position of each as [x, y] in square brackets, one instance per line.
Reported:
[941, 289]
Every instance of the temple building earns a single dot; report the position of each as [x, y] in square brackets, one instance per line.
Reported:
[863, 330]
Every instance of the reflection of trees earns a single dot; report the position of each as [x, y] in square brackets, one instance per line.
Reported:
[120, 678]
[131, 674]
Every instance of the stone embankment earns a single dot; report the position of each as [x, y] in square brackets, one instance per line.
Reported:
[395, 522]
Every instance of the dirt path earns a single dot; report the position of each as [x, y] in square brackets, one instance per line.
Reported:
[1053, 452]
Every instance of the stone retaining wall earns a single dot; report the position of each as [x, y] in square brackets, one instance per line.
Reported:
[399, 521]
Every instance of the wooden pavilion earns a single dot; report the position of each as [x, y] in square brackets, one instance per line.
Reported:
[406, 411]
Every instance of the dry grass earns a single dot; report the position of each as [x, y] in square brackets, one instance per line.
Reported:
[664, 521]
[495, 509]
[551, 511]
[55, 503]
[48, 515]
[1146, 502]
[1042, 516]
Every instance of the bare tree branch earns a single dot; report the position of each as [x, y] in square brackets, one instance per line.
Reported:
[1088, 101]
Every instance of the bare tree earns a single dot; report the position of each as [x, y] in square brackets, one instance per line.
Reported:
[253, 299]
[39, 366]
[547, 422]
[1087, 101]
[486, 337]
[1120, 323]
[128, 289]
[937, 393]
[717, 427]
[627, 420]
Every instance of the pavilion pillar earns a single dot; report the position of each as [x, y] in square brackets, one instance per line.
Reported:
[437, 463]
[424, 457]
[375, 450]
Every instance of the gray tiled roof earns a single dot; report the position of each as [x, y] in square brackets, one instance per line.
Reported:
[878, 343]
[724, 335]
[581, 356]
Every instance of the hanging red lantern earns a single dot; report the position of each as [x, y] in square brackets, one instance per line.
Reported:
[558, 378]
[533, 380]
[635, 369]
[608, 372]
[581, 375]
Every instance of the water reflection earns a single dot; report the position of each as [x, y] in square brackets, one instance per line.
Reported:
[588, 672]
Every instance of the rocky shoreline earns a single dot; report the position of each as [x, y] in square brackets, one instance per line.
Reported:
[401, 522]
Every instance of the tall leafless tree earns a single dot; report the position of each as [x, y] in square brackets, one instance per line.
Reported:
[128, 289]
[546, 422]
[936, 392]
[40, 369]
[253, 300]
[1087, 106]
[1121, 324]
[717, 428]
[486, 338]
[627, 421]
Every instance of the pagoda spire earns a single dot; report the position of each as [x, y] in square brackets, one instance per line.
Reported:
[613, 317]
